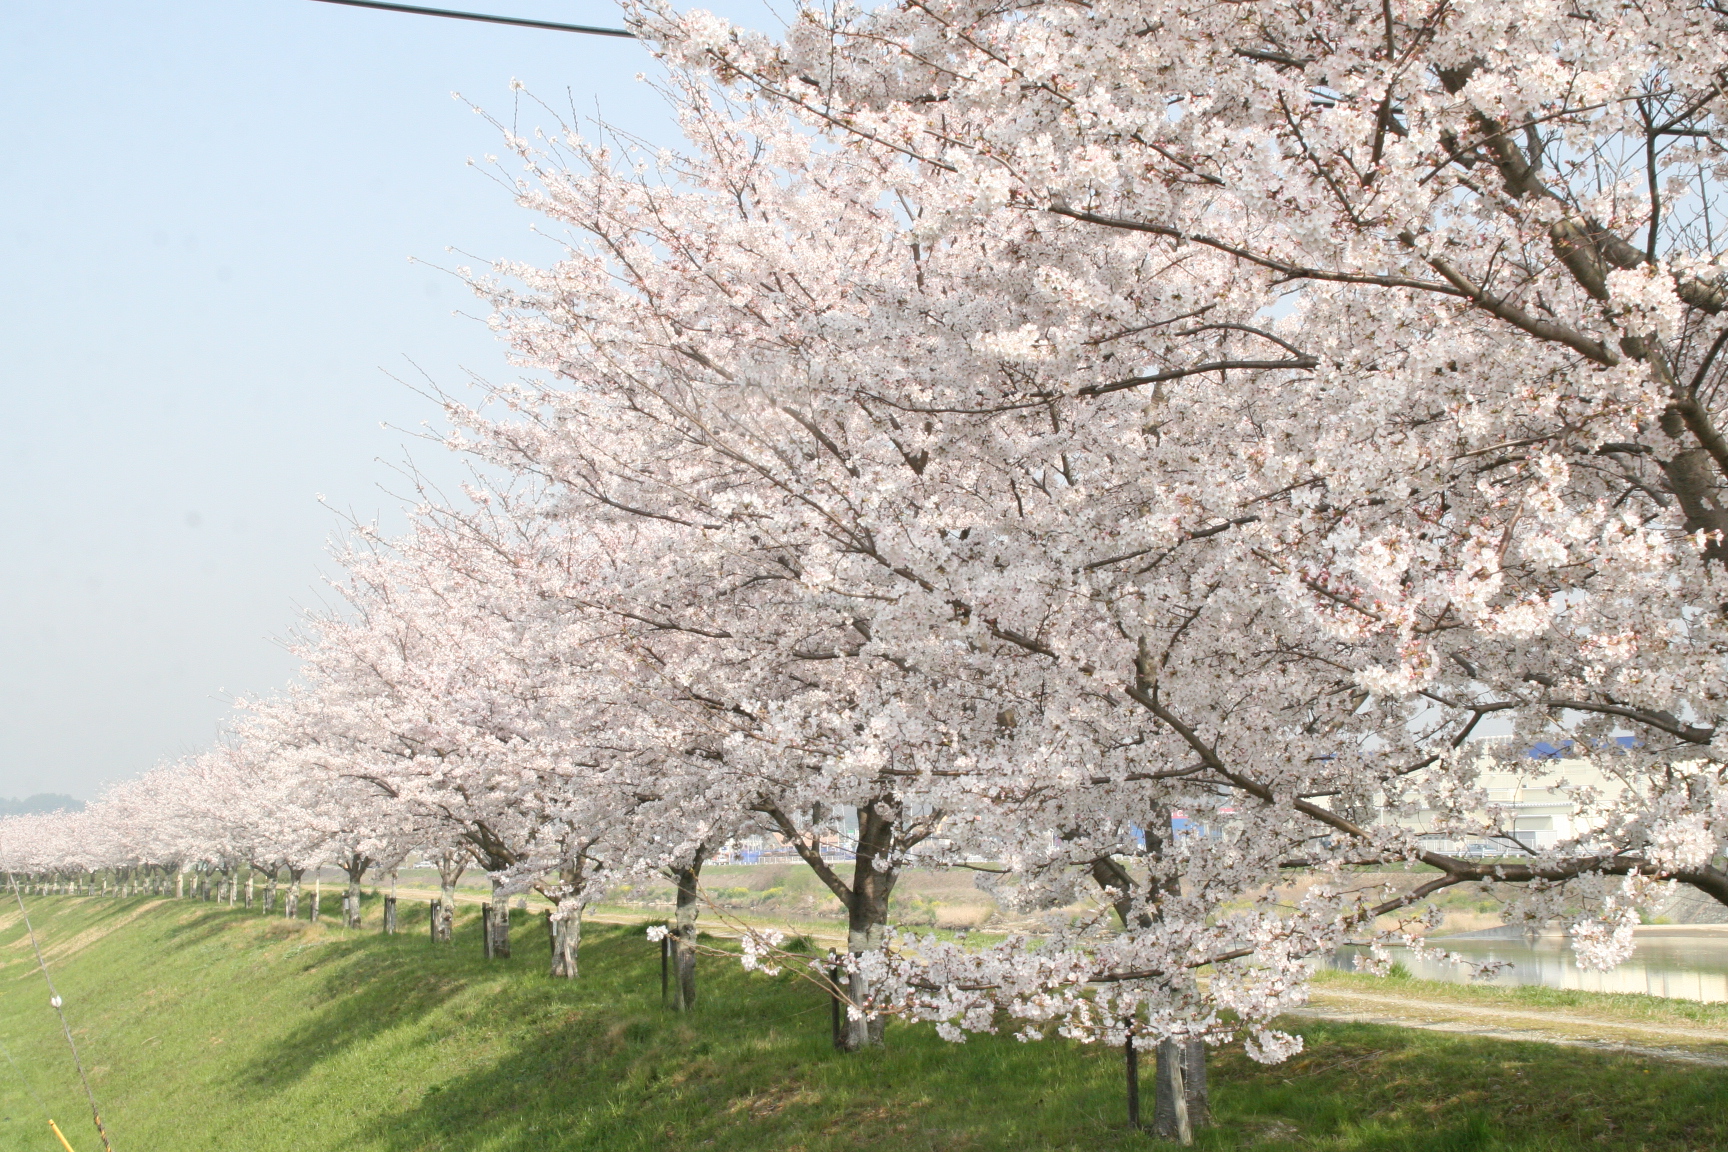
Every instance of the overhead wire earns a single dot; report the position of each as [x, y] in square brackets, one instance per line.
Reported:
[452, 14]
[57, 1004]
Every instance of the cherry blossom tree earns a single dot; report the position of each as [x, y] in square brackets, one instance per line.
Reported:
[1482, 445]
[1320, 471]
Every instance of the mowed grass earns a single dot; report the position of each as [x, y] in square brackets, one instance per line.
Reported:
[206, 1030]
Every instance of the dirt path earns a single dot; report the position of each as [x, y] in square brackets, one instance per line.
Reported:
[1606, 1033]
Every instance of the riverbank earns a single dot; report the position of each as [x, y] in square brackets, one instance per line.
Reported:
[207, 1030]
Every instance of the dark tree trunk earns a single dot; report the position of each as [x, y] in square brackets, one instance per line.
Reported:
[683, 937]
[390, 915]
[866, 901]
[867, 919]
[1181, 1065]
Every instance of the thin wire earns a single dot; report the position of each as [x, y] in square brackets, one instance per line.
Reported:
[54, 999]
[482, 18]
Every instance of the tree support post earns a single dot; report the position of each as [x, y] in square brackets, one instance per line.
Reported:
[1133, 1061]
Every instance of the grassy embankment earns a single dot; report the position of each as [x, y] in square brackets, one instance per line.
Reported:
[212, 1031]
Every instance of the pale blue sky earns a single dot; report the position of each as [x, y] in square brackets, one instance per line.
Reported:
[209, 209]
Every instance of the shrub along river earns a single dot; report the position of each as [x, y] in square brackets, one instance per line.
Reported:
[1682, 961]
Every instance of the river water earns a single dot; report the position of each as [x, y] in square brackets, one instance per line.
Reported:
[1684, 962]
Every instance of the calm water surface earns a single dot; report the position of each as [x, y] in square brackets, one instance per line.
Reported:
[1682, 962]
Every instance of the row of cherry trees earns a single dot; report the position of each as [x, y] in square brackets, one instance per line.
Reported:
[1004, 427]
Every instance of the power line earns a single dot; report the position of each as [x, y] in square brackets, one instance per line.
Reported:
[482, 18]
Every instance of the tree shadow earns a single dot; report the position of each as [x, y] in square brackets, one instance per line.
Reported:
[604, 1066]
[198, 925]
[374, 984]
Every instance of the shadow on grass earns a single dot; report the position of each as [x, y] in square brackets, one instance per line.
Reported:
[199, 924]
[600, 1065]
[556, 1066]
[373, 985]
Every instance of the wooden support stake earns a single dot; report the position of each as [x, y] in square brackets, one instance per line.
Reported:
[834, 975]
[1133, 1083]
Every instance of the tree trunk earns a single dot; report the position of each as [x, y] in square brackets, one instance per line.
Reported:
[866, 901]
[249, 879]
[486, 930]
[390, 915]
[291, 906]
[270, 894]
[566, 943]
[867, 920]
[179, 885]
[683, 938]
[355, 865]
[499, 932]
[1183, 1103]
[450, 869]
[317, 894]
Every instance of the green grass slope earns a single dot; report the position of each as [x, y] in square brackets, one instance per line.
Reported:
[206, 1030]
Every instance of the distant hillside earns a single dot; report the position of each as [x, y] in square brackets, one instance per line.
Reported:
[41, 802]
